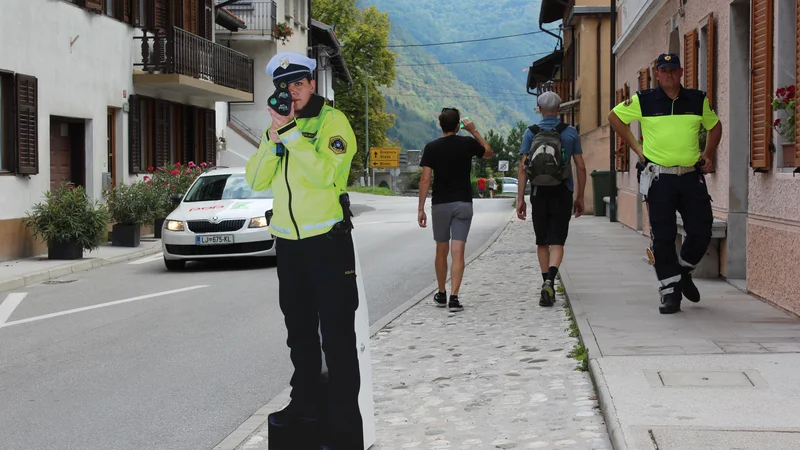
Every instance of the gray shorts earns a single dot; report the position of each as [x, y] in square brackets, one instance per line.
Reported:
[455, 217]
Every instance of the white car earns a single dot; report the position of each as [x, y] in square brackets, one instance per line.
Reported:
[219, 217]
[510, 185]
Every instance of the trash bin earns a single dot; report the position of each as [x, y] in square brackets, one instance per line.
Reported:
[601, 183]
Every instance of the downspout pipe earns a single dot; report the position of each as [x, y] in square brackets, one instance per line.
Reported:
[612, 206]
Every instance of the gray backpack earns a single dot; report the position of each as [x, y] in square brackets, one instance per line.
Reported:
[547, 163]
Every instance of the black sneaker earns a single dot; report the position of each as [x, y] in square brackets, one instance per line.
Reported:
[689, 289]
[454, 304]
[292, 413]
[548, 297]
[440, 299]
[670, 303]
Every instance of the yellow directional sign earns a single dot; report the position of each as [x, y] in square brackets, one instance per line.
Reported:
[384, 154]
[378, 164]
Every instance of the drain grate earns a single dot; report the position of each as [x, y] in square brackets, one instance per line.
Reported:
[58, 281]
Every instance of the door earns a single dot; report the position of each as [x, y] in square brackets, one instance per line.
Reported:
[60, 153]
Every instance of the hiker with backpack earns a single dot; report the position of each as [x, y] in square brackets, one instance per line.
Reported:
[548, 149]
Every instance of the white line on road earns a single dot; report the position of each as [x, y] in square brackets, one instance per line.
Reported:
[102, 305]
[149, 259]
[9, 305]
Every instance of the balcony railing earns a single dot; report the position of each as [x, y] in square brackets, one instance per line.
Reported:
[177, 51]
[259, 17]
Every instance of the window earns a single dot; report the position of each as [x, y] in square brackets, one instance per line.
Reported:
[785, 69]
[690, 59]
[706, 61]
[163, 132]
[211, 188]
[19, 124]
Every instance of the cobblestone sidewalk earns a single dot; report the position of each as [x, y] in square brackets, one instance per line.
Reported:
[496, 375]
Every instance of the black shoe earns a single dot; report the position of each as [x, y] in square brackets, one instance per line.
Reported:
[548, 297]
[454, 304]
[689, 289]
[670, 303]
[325, 447]
[440, 299]
[292, 413]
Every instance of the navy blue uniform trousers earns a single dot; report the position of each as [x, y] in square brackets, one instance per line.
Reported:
[318, 290]
[687, 194]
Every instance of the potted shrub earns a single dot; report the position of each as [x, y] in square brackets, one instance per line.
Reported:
[784, 100]
[282, 32]
[164, 182]
[129, 207]
[68, 222]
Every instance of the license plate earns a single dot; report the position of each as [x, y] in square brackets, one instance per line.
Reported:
[215, 240]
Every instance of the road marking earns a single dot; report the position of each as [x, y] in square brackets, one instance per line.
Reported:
[9, 305]
[102, 305]
[149, 259]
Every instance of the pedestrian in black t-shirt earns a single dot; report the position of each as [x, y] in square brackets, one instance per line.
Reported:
[449, 158]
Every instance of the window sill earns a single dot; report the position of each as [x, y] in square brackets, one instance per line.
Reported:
[6, 173]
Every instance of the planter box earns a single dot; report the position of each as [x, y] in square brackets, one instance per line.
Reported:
[158, 225]
[123, 235]
[64, 250]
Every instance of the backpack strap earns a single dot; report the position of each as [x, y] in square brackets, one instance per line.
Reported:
[534, 128]
[561, 127]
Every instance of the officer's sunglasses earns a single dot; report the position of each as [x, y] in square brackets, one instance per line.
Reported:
[450, 109]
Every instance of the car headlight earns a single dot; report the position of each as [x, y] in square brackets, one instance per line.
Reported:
[174, 225]
[258, 222]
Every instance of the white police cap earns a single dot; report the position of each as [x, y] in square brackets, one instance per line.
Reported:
[290, 66]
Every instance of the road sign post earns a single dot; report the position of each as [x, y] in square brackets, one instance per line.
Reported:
[383, 158]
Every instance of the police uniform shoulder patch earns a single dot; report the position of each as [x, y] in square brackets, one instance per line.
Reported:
[337, 145]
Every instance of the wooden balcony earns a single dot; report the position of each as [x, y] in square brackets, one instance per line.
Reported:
[174, 60]
[247, 21]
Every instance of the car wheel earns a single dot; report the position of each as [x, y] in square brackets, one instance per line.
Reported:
[174, 264]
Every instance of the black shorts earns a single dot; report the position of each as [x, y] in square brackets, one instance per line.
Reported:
[551, 211]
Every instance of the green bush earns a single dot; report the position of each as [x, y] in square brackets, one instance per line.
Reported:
[68, 216]
[131, 204]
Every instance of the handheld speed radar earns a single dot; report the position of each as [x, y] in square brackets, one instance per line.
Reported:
[281, 102]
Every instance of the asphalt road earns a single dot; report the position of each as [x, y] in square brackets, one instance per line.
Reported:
[130, 356]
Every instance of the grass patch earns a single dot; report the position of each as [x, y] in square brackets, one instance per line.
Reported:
[579, 352]
[373, 190]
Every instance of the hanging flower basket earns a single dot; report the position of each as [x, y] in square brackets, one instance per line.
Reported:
[282, 32]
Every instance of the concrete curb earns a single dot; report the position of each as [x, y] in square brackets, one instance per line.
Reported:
[242, 434]
[604, 398]
[70, 268]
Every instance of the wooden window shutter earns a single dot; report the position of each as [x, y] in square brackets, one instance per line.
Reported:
[655, 73]
[209, 20]
[162, 133]
[27, 125]
[126, 10]
[94, 5]
[761, 84]
[134, 135]
[797, 79]
[644, 79]
[161, 14]
[690, 59]
[210, 154]
[711, 61]
[187, 133]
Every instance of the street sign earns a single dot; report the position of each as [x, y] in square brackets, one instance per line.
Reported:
[384, 154]
[378, 164]
[502, 166]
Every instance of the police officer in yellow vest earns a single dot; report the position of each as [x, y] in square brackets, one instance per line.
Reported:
[671, 171]
[305, 157]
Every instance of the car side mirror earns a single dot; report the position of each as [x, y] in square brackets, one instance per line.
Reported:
[176, 199]
[268, 216]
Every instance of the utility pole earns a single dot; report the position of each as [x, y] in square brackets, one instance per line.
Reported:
[366, 127]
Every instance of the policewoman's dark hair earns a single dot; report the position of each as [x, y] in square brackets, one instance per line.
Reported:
[448, 120]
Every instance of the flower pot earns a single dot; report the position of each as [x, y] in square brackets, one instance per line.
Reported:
[158, 224]
[124, 235]
[64, 250]
[789, 155]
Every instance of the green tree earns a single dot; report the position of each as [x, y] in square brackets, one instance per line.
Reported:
[513, 144]
[364, 35]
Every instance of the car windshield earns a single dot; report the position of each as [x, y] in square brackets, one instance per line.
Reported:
[511, 180]
[223, 187]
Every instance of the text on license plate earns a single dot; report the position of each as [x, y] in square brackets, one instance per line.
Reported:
[215, 240]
